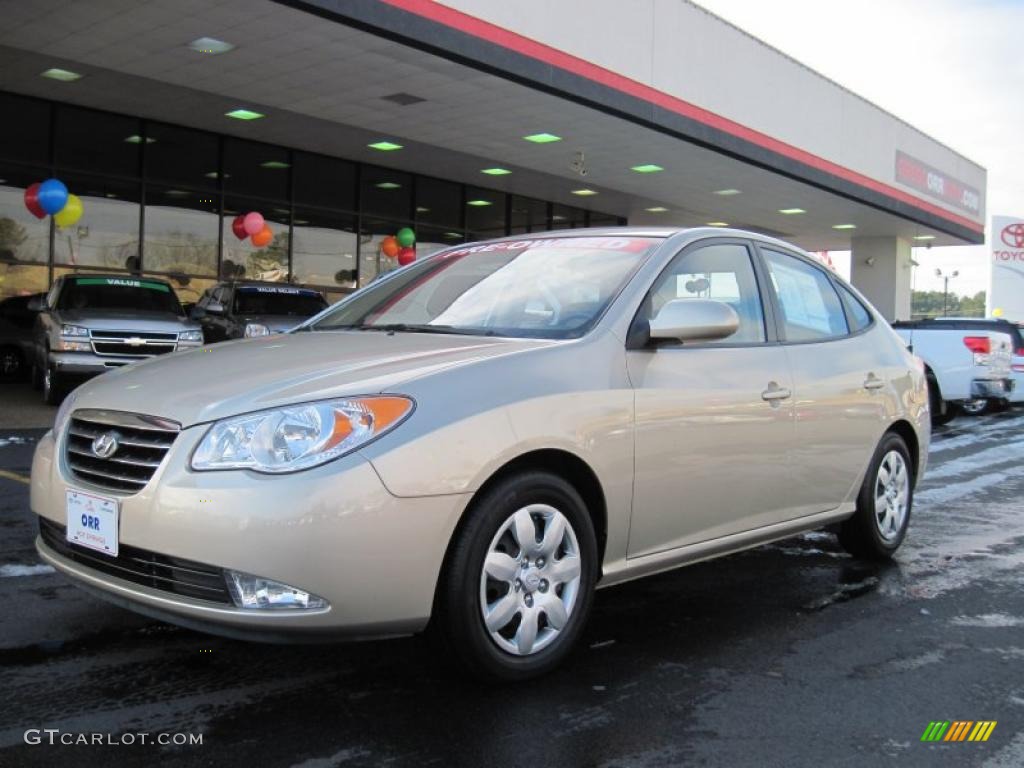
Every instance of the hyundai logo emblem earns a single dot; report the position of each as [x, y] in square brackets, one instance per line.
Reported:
[105, 446]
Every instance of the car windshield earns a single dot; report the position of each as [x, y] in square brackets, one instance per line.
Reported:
[277, 300]
[118, 293]
[545, 288]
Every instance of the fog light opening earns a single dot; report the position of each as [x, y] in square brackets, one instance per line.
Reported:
[255, 592]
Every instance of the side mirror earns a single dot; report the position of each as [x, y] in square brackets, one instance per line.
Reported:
[215, 308]
[695, 320]
[36, 304]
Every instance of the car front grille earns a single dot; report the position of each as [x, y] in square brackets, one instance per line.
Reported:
[140, 566]
[131, 344]
[142, 443]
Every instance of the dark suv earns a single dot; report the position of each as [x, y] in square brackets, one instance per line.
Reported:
[243, 310]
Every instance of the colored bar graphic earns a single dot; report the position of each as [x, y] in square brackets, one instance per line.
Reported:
[958, 730]
[935, 730]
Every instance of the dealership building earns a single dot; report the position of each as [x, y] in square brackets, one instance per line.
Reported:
[343, 121]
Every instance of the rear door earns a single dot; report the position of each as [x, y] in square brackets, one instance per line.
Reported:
[714, 421]
[840, 379]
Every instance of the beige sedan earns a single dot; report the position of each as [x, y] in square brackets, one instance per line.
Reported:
[481, 439]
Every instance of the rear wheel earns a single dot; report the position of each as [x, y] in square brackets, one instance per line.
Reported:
[877, 528]
[942, 411]
[976, 407]
[519, 580]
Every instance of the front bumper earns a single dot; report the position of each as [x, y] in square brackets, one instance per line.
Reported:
[86, 363]
[334, 531]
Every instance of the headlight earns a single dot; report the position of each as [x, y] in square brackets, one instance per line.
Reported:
[73, 330]
[299, 436]
[191, 336]
[252, 330]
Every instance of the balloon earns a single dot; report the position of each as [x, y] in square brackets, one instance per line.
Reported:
[389, 246]
[406, 256]
[70, 213]
[997, 312]
[53, 195]
[263, 237]
[238, 227]
[253, 223]
[406, 237]
[32, 201]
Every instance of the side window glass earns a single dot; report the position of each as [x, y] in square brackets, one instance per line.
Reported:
[811, 308]
[858, 312]
[723, 272]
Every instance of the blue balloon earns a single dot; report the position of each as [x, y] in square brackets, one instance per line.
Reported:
[53, 196]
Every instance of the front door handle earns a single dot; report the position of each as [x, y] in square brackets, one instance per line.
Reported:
[873, 382]
[775, 393]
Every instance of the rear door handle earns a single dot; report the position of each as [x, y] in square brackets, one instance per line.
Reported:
[774, 393]
[873, 382]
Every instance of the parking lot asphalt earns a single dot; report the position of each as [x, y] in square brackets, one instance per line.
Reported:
[793, 654]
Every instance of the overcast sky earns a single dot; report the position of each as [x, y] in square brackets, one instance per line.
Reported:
[953, 68]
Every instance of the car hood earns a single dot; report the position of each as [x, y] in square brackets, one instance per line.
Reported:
[236, 377]
[126, 320]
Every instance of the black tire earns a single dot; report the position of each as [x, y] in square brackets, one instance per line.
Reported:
[458, 621]
[36, 377]
[860, 535]
[942, 411]
[54, 387]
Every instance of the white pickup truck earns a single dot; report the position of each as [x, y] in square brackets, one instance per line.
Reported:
[968, 361]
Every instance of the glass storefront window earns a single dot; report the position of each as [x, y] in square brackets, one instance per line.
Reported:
[96, 141]
[256, 169]
[567, 217]
[324, 182]
[188, 289]
[324, 249]
[528, 215]
[25, 133]
[432, 239]
[242, 259]
[438, 203]
[605, 220]
[23, 237]
[485, 213]
[181, 156]
[107, 235]
[181, 231]
[386, 193]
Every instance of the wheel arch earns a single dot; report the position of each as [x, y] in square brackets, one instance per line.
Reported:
[905, 429]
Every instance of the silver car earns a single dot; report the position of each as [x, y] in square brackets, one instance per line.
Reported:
[481, 439]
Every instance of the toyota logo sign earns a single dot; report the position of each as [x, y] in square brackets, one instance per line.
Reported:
[1013, 235]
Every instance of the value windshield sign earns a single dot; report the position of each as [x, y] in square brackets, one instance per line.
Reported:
[1006, 290]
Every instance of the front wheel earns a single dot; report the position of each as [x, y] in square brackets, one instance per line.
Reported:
[877, 528]
[519, 579]
[54, 386]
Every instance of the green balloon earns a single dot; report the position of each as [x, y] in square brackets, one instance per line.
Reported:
[405, 237]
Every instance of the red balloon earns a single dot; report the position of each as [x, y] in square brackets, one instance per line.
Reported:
[238, 227]
[32, 201]
[263, 237]
[406, 256]
[390, 247]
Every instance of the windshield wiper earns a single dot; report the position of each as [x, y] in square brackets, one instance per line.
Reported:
[423, 328]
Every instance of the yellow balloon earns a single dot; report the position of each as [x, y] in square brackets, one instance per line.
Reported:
[997, 312]
[70, 213]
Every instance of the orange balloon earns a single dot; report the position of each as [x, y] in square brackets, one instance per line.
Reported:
[263, 237]
[389, 245]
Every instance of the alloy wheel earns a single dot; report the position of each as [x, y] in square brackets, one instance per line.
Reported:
[892, 495]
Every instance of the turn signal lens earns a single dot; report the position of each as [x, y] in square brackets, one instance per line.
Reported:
[298, 436]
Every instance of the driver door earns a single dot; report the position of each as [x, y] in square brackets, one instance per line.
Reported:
[714, 420]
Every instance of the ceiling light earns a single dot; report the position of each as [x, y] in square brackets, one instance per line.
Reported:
[584, 192]
[496, 171]
[421, 209]
[924, 237]
[791, 211]
[210, 45]
[542, 138]
[718, 224]
[387, 185]
[274, 164]
[214, 175]
[558, 217]
[844, 226]
[478, 203]
[244, 114]
[649, 168]
[657, 209]
[136, 139]
[384, 146]
[727, 192]
[64, 75]
[176, 193]
[452, 234]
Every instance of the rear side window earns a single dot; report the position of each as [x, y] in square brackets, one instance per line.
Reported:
[858, 312]
[811, 309]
